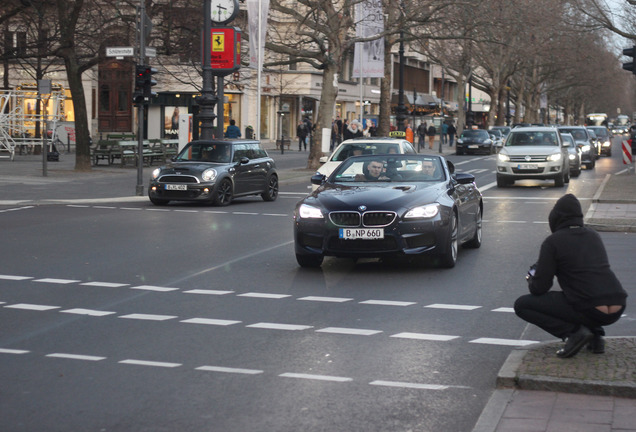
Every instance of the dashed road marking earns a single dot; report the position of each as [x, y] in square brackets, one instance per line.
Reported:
[208, 292]
[149, 317]
[387, 303]
[506, 342]
[229, 370]
[16, 278]
[13, 351]
[150, 363]
[452, 306]
[275, 326]
[89, 312]
[315, 377]
[349, 331]
[425, 336]
[409, 385]
[210, 321]
[75, 357]
[57, 281]
[325, 299]
[29, 306]
[264, 295]
[154, 288]
[105, 284]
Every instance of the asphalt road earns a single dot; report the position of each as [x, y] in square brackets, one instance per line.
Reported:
[125, 316]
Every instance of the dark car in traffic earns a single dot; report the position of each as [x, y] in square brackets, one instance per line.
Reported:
[474, 141]
[604, 139]
[381, 206]
[583, 141]
[215, 172]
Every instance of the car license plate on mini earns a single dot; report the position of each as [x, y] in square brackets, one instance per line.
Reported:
[362, 233]
[473, 146]
[176, 187]
[527, 166]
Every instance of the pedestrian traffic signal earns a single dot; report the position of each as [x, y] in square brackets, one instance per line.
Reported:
[149, 82]
[140, 79]
[630, 52]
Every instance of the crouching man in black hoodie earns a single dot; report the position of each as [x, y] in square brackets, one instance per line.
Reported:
[591, 296]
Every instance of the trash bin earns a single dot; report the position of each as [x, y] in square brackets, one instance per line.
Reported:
[249, 132]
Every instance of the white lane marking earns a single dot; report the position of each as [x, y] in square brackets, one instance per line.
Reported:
[105, 284]
[325, 299]
[540, 222]
[424, 336]
[245, 213]
[148, 317]
[130, 208]
[150, 363]
[488, 186]
[451, 306]
[208, 292]
[275, 326]
[12, 351]
[215, 211]
[210, 321]
[409, 385]
[349, 331]
[275, 214]
[315, 377]
[158, 210]
[28, 306]
[105, 207]
[17, 278]
[89, 312]
[506, 342]
[503, 309]
[513, 221]
[16, 209]
[77, 206]
[264, 295]
[56, 281]
[154, 288]
[186, 211]
[387, 303]
[229, 370]
[75, 356]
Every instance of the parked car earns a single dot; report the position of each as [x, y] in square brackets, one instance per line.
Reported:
[533, 153]
[474, 141]
[358, 146]
[574, 155]
[604, 138]
[505, 130]
[215, 172]
[584, 142]
[389, 206]
[497, 138]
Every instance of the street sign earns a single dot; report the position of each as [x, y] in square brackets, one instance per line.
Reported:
[225, 56]
[120, 52]
[151, 52]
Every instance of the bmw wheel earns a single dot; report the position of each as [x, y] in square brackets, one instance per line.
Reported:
[309, 261]
[475, 242]
[224, 193]
[449, 257]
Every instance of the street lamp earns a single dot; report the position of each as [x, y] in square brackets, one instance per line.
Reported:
[208, 99]
[400, 111]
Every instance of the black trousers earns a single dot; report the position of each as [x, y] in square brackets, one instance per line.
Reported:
[554, 314]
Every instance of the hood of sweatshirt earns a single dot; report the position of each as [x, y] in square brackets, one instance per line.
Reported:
[566, 213]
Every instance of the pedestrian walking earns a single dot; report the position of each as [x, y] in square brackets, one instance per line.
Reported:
[444, 132]
[334, 135]
[301, 134]
[591, 295]
[232, 131]
[431, 132]
[421, 135]
[451, 134]
[409, 132]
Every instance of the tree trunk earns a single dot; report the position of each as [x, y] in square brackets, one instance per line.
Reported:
[82, 132]
[325, 113]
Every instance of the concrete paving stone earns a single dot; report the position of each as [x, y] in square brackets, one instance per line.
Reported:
[531, 405]
[565, 401]
[624, 414]
[559, 426]
[522, 425]
[582, 414]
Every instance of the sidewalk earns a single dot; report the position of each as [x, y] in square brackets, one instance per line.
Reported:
[537, 391]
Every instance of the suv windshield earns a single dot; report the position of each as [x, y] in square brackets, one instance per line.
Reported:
[531, 138]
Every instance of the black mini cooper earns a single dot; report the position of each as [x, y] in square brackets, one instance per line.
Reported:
[215, 171]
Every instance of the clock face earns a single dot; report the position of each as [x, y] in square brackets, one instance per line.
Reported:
[223, 10]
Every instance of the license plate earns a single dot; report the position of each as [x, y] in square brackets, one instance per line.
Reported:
[473, 146]
[527, 166]
[361, 233]
[176, 187]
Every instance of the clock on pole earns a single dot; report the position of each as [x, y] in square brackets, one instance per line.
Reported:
[223, 11]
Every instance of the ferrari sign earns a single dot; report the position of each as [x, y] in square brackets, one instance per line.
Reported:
[225, 57]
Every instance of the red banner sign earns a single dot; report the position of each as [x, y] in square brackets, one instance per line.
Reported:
[225, 57]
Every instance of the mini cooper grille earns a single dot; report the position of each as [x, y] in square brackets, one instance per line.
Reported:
[530, 158]
[368, 219]
[178, 179]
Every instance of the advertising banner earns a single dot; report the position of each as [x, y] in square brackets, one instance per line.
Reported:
[368, 60]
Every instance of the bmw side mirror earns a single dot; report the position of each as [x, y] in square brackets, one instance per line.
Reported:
[451, 167]
[318, 179]
[464, 178]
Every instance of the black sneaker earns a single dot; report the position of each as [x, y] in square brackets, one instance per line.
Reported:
[596, 345]
[575, 342]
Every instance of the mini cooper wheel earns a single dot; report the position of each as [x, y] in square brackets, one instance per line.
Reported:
[449, 257]
[224, 194]
[271, 193]
[309, 261]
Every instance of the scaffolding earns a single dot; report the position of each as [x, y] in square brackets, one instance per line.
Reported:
[18, 124]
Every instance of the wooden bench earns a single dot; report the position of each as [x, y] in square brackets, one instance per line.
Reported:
[102, 151]
[286, 142]
[121, 136]
[170, 147]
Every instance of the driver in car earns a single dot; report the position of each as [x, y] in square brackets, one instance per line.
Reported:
[372, 171]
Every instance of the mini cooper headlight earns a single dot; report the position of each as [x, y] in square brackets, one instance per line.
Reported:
[423, 212]
[555, 157]
[306, 211]
[155, 173]
[209, 174]
[503, 157]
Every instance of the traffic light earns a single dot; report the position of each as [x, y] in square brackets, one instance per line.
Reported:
[140, 79]
[630, 52]
[149, 82]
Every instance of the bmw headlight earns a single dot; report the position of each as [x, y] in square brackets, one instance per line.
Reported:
[460, 140]
[503, 157]
[155, 173]
[423, 212]
[209, 174]
[306, 211]
[555, 157]
[585, 148]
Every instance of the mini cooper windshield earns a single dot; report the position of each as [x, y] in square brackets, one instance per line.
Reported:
[206, 152]
[386, 168]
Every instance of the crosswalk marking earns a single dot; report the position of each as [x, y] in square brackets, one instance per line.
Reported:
[229, 370]
[264, 295]
[387, 303]
[275, 326]
[210, 321]
[89, 312]
[326, 299]
[424, 336]
[56, 281]
[208, 292]
[75, 357]
[148, 317]
[28, 306]
[349, 331]
[150, 363]
[154, 288]
[105, 284]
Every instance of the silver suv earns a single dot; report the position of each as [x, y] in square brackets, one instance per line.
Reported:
[533, 153]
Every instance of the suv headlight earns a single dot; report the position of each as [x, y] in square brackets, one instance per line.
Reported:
[503, 157]
[555, 157]
[423, 212]
[306, 211]
[585, 148]
[209, 174]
